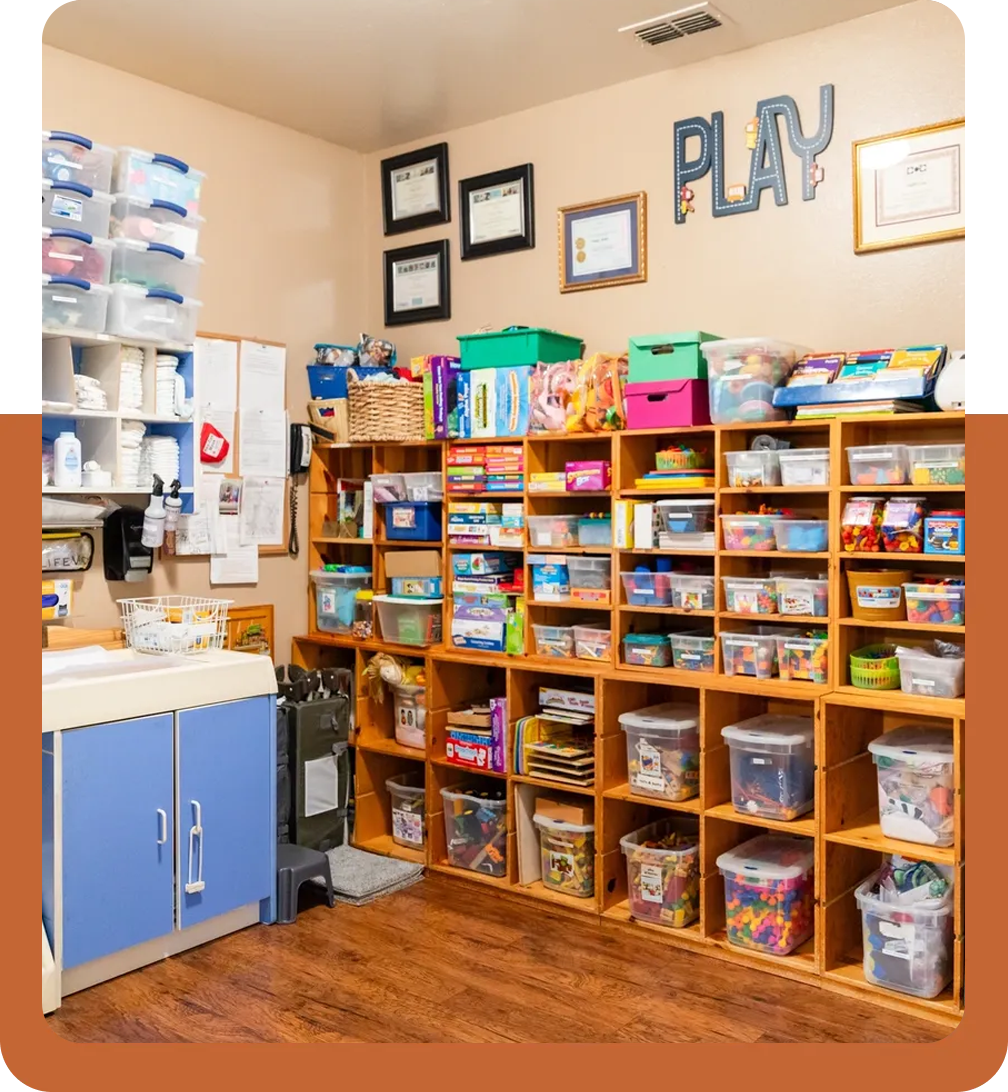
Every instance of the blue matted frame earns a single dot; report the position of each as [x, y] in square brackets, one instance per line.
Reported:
[636, 272]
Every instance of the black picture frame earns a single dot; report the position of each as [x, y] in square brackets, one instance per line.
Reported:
[521, 175]
[439, 248]
[441, 215]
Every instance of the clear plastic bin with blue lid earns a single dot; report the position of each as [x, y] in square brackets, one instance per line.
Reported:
[68, 253]
[772, 765]
[71, 304]
[76, 206]
[70, 157]
[155, 265]
[152, 314]
[150, 221]
[155, 176]
[336, 595]
[916, 784]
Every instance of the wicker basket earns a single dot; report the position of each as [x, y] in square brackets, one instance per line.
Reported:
[875, 667]
[332, 414]
[384, 412]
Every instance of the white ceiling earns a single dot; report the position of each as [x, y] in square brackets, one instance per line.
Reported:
[370, 74]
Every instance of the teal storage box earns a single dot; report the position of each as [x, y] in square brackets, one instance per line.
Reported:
[657, 357]
[517, 347]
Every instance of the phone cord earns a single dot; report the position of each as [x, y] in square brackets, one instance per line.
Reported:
[293, 546]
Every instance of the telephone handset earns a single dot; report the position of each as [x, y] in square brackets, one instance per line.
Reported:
[298, 462]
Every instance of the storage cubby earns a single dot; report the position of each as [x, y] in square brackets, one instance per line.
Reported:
[373, 828]
[376, 720]
[454, 778]
[638, 451]
[455, 685]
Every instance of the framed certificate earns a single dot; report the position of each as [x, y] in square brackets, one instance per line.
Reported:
[417, 283]
[910, 187]
[497, 212]
[415, 189]
[603, 243]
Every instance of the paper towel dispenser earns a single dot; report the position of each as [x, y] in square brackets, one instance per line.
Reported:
[125, 556]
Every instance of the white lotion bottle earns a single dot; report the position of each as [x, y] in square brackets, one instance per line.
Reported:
[67, 461]
[152, 534]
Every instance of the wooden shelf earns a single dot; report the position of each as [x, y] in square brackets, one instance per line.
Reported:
[669, 491]
[599, 550]
[916, 627]
[804, 824]
[464, 771]
[571, 494]
[556, 786]
[667, 553]
[330, 540]
[801, 963]
[777, 555]
[570, 604]
[504, 494]
[911, 489]
[467, 874]
[680, 612]
[620, 914]
[749, 490]
[915, 560]
[797, 619]
[865, 832]
[538, 890]
[623, 792]
[384, 845]
[381, 746]
[897, 702]
[408, 543]
[849, 976]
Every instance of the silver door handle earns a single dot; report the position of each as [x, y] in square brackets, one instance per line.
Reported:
[163, 826]
[195, 832]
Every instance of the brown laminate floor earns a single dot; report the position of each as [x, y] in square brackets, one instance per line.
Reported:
[446, 961]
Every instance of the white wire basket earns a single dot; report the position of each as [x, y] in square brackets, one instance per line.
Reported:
[175, 625]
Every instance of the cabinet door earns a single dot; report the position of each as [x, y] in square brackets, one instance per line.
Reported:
[117, 836]
[226, 821]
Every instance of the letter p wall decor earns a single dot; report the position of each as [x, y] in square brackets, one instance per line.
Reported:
[766, 163]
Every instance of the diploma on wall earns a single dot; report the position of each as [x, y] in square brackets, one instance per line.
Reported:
[922, 186]
[415, 190]
[416, 283]
[602, 244]
[497, 212]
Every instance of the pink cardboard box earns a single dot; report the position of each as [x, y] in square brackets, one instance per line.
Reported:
[667, 404]
[589, 474]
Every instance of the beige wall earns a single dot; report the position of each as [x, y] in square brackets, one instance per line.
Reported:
[787, 271]
[283, 227]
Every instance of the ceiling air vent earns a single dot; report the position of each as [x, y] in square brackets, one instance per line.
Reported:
[677, 24]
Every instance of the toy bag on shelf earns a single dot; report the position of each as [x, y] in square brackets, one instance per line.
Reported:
[579, 395]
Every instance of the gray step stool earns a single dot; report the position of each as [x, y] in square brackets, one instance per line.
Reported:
[295, 864]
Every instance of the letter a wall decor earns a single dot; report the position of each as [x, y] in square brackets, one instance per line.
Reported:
[766, 164]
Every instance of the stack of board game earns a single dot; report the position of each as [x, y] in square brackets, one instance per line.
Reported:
[558, 743]
[474, 736]
[486, 468]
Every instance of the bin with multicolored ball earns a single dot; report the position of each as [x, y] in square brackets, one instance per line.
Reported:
[769, 893]
[663, 872]
[742, 375]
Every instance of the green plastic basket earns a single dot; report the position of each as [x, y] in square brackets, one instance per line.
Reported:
[685, 459]
[875, 667]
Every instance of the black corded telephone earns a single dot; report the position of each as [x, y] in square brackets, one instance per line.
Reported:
[298, 463]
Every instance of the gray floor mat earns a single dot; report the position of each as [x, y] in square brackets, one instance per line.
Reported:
[360, 877]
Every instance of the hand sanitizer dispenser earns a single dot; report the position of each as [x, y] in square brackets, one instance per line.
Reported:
[125, 556]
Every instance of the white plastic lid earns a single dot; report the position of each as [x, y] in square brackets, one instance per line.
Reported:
[401, 784]
[559, 824]
[675, 718]
[915, 746]
[406, 602]
[877, 451]
[771, 857]
[804, 453]
[681, 503]
[320, 576]
[771, 728]
[734, 345]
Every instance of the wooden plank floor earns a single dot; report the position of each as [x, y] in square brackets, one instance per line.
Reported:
[448, 962]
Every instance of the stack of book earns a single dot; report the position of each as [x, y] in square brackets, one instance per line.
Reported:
[474, 737]
[488, 608]
[558, 743]
[665, 480]
[486, 523]
[486, 468]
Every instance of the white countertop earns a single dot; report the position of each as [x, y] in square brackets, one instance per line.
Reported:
[94, 685]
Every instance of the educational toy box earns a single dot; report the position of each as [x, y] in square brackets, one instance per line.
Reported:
[476, 828]
[772, 765]
[915, 784]
[669, 403]
[550, 578]
[743, 374]
[407, 795]
[655, 358]
[517, 346]
[336, 596]
[567, 856]
[409, 621]
[663, 872]
[417, 521]
[663, 750]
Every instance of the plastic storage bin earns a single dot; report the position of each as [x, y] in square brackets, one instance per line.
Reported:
[749, 532]
[157, 177]
[932, 676]
[476, 829]
[879, 464]
[363, 623]
[772, 765]
[805, 466]
[686, 517]
[915, 784]
[663, 750]
[552, 530]
[409, 621]
[769, 893]
[388, 488]
[567, 856]
[557, 642]
[803, 659]
[513, 348]
[594, 532]
[154, 222]
[663, 872]
[802, 535]
[692, 652]
[903, 525]
[907, 948]
[877, 595]
[647, 649]
[692, 592]
[69, 157]
[753, 653]
[749, 469]
[742, 375]
[410, 708]
[71, 304]
[875, 667]
[152, 315]
[590, 578]
[68, 253]
[861, 525]
[336, 598]
[407, 796]
[648, 589]
[592, 644]
[155, 265]
[750, 594]
[936, 604]
[937, 464]
[425, 485]
[797, 595]
[79, 208]
[414, 521]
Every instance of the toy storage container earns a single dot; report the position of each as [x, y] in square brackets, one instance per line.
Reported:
[590, 578]
[409, 621]
[152, 315]
[663, 872]
[877, 595]
[945, 532]
[769, 893]
[692, 652]
[157, 177]
[407, 796]
[552, 530]
[772, 765]
[932, 676]
[753, 653]
[936, 604]
[802, 535]
[803, 659]
[567, 854]
[476, 828]
[155, 265]
[804, 466]
[68, 157]
[525, 345]
[79, 208]
[655, 358]
[592, 644]
[388, 488]
[907, 946]
[915, 784]
[742, 375]
[903, 525]
[879, 464]
[692, 592]
[154, 222]
[410, 708]
[413, 521]
[336, 597]
[71, 304]
[648, 589]
[875, 667]
[663, 750]
[748, 469]
[937, 464]
[667, 404]
[594, 532]
[557, 642]
[67, 253]
[748, 532]
[363, 623]
[750, 594]
[800, 595]
[647, 649]
[861, 525]
[686, 517]
[425, 485]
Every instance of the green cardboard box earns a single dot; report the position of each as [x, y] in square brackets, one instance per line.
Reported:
[658, 357]
[517, 347]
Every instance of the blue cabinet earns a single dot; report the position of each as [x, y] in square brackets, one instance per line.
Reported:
[226, 826]
[118, 846]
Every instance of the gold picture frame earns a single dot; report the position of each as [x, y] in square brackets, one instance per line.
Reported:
[619, 237]
[881, 169]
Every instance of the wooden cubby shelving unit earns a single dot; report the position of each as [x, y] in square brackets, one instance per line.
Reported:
[844, 823]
